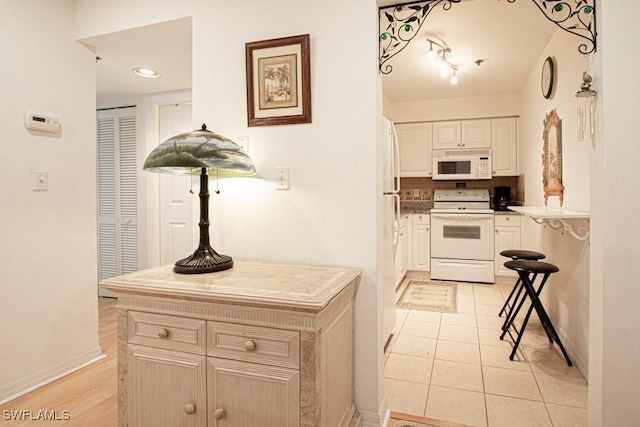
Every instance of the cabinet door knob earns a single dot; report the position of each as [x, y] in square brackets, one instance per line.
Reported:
[249, 345]
[189, 409]
[219, 414]
[163, 333]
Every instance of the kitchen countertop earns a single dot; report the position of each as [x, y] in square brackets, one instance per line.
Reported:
[415, 206]
[411, 207]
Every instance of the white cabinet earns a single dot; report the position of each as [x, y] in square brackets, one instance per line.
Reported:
[415, 149]
[475, 134]
[258, 345]
[504, 144]
[421, 242]
[402, 251]
[446, 135]
[507, 228]
[462, 134]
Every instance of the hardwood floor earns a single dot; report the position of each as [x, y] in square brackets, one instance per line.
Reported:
[89, 395]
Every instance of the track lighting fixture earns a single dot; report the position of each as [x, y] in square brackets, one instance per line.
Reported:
[447, 69]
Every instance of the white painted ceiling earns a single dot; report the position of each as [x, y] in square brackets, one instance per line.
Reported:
[509, 37]
[164, 47]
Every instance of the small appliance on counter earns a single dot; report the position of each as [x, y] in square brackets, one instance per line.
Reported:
[501, 198]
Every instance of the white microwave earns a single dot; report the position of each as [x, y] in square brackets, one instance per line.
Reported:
[462, 164]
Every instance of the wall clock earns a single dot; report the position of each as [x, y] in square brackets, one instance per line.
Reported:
[548, 77]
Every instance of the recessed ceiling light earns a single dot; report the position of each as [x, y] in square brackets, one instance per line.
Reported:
[146, 72]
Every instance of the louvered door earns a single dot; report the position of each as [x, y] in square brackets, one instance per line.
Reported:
[117, 192]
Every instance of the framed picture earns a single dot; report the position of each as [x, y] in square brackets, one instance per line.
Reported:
[278, 81]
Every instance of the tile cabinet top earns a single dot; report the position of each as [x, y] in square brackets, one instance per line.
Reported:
[260, 283]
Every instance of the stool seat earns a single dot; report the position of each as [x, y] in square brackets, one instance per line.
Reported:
[515, 254]
[531, 266]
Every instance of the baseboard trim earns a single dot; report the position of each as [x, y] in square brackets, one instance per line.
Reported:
[26, 385]
[381, 418]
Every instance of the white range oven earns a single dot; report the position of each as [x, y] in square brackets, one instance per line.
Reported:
[462, 236]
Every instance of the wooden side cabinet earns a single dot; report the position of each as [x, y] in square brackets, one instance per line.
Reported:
[259, 345]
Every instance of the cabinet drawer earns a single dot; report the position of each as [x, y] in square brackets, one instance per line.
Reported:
[253, 344]
[169, 332]
[421, 219]
[507, 220]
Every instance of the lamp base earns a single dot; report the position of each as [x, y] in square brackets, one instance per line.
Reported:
[203, 260]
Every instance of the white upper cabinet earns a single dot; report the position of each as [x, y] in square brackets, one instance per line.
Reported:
[446, 135]
[504, 143]
[415, 149]
[475, 133]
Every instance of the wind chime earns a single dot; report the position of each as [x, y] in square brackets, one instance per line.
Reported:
[586, 108]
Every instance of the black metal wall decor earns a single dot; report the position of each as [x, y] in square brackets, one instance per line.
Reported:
[400, 23]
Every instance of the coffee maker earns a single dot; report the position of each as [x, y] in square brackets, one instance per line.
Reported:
[501, 198]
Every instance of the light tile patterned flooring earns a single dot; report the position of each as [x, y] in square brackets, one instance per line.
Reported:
[454, 367]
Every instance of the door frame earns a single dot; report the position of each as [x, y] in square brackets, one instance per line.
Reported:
[149, 183]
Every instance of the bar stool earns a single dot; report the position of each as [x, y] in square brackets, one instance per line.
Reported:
[527, 271]
[516, 254]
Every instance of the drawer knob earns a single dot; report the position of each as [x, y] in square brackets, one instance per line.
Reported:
[163, 333]
[219, 414]
[189, 409]
[249, 345]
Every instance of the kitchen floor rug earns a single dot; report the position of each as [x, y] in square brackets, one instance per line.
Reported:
[429, 295]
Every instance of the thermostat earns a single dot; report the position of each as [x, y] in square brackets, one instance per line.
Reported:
[41, 123]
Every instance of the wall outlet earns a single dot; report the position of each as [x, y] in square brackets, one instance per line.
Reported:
[243, 142]
[416, 192]
[282, 177]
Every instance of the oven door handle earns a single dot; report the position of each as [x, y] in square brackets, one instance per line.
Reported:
[479, 217]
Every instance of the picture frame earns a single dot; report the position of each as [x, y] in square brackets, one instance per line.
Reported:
[552, 157]
[278, 81]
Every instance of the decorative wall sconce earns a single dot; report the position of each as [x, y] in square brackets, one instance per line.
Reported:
[447, 69]
[587, 98]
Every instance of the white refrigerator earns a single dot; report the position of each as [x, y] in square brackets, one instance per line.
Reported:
[391, 212]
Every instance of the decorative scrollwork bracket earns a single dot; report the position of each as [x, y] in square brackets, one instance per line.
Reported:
[560, 224]
[400, 23]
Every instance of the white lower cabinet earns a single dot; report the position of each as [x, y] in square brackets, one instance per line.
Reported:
[402, 252]
[421, 243]
[508, 236]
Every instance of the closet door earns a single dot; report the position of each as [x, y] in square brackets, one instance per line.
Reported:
[117, 192]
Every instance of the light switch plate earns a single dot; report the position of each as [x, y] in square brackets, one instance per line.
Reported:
[282, 177]
[40, 180]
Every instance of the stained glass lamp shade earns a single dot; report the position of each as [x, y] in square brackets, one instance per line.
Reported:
[205, 153]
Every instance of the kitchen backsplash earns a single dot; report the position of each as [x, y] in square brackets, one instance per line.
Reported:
[417, 190]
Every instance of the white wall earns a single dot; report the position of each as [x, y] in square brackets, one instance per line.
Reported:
[329, 217]
[615, 373]
[48, 309]
[455, 108]
[566, 296]
[332, 214]
[98, 17]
